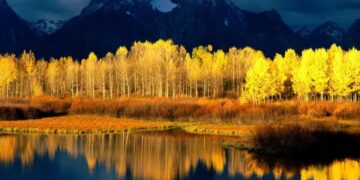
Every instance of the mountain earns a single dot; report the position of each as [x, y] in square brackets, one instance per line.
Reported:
[47, 26]
[106, 24]
[353, 36]
[15, 34]
[324, 35]
[303, 32]
[102, 27]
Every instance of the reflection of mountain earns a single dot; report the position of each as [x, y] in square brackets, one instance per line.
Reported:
[160, 156]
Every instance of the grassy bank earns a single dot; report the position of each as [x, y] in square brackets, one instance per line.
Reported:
[88, 124]
[82, 124]
[204, 110]
[206, 116]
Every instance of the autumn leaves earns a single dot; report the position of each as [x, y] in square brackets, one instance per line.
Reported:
[163, 69]
[319, 74]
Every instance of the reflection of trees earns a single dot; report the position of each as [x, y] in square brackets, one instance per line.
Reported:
[347, 169]
[245, 164]
[159, 157]
[7, 149]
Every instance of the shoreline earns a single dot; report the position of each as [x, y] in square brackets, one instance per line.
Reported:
[89, 124]
[96, 124]
[286, 139]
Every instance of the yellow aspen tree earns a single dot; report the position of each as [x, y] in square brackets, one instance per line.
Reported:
[193, 71]
[320, 72]
[77, 78]
[205, 57]
[272, 79]
[256, 87]
[70, 79]
[246, 58]
[340, 79]
[41, 67]
[180, 75]
[52, 77]
[101, 76]
[232, 67]
[290, 61]
[84, 88]
[91, 63]
[218, 71]
[138, 68]
[8, 73]
[122, 71]
[170, 56]
[353, 65]
[301, 79]
[109, 58]
[62, 78]
[28, 59]
[280, 74]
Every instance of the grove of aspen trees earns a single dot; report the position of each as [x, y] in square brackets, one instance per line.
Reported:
[164, 69]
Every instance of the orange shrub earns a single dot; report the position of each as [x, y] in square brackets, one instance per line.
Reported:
[347, 111]
[179, 109]
[317, 109]
[185, 109]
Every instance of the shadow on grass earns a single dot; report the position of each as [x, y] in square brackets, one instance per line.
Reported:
[296, 146]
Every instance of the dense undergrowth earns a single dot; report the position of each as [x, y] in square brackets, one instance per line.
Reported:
[216, 110]
[34, 108]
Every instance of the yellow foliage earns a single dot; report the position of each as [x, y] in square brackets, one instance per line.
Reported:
[164, 69]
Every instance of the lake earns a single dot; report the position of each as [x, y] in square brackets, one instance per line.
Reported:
[152, 155]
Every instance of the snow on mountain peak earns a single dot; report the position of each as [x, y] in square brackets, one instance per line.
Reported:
[331, 29]
[164, 6]
[45, 26]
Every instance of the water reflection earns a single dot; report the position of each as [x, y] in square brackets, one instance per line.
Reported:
[159, 156]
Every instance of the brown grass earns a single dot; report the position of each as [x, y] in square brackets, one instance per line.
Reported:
[221, 129]
[184, 109]
[208, 110]
[82, 124]
[339, 110]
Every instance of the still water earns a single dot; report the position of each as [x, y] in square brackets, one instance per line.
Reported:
[156, 155]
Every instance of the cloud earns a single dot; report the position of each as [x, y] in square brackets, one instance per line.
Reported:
[33, 10]
[308, 12]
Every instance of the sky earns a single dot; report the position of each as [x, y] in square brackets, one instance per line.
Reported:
[296, 13]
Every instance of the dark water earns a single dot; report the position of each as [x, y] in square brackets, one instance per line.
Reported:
[156, 155]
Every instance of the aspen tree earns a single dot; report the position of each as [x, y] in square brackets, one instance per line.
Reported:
[257, 81]
[320, 72]
[8, 73]
[301, 77]
[52, 77]
[28, 60]
[353, 65]
[91, 63]
[340, 80]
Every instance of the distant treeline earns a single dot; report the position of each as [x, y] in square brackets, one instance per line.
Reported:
[163, 69]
